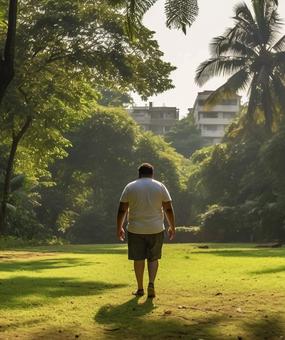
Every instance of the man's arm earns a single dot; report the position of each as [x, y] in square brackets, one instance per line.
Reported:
[169, 213]
[121, 216]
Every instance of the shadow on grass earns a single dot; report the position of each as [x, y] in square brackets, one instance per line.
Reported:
[132, 320]
[244, 253]
[129, 327]
[275, 270]
[29, 292]
[267, 328]
[11, 266]
[77, 249]
[135, 321]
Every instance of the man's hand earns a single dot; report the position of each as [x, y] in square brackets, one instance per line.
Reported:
[169, 213]
[171, 233]
[121, 234]
[122, 213]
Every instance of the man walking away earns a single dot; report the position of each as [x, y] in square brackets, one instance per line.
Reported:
[145, 201]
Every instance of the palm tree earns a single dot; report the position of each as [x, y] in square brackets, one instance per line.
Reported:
[252, 52]
[179, 13]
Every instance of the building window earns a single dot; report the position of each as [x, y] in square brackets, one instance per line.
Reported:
[228, 115]
[157, 115]
[210, 114]
[210, 127]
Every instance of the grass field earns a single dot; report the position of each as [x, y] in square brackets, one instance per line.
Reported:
[69, 292]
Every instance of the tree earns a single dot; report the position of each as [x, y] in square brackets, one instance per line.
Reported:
[66, 53]
[107, 148]
[253, 53]
[8, 49]
[179, 13]
[185, 137]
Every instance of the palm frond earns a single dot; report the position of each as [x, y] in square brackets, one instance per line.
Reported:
[222, 45]
[279, 45]
[135, 10]
[245, 32]
[242, 11]
[274, 25]
[238, 81]
[279, 59]
[219, 66]
[267, 19]
[181, 13]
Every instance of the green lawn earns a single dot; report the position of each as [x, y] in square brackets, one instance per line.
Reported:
[68, 292]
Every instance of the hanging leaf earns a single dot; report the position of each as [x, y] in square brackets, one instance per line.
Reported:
[181, 13]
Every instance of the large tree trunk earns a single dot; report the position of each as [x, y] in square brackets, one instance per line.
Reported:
[267, 107]
[9, 170]
[252, 102]
[7, 59]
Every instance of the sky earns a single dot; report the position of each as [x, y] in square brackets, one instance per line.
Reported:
[187, 52]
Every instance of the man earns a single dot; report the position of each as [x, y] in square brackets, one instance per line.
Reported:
[145, 201]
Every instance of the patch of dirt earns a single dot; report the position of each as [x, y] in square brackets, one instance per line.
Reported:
[13, 255]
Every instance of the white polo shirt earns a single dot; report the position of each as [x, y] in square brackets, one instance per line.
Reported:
[145, 197]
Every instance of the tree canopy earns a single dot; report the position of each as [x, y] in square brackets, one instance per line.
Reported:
[252, 52]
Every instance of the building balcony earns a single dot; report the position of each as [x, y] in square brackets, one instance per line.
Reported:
[219, 108]
[214, 121]
[213, 134]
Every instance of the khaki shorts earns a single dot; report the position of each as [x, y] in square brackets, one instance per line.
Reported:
[145, 246]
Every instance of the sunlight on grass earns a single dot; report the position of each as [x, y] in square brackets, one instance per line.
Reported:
[222, 292]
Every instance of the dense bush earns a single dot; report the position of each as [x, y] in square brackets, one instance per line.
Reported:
[238, 187]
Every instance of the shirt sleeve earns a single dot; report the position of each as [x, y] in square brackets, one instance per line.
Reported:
[165, 194]
[125, 195]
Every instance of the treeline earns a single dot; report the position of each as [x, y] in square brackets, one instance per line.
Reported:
[65, 151]
[67, 146]
[237, 187]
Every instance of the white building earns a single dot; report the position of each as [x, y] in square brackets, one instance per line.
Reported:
[158, 119]
[213, 120]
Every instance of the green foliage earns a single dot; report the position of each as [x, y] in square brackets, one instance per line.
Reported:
[180, 14]
[13, 242]
[185, 137]
[107, 149]
[70, 56]
[189, 234]
[21, 219]
[90, 39]
[237, 188]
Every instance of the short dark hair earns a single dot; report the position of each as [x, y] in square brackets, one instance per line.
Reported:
[145, 169]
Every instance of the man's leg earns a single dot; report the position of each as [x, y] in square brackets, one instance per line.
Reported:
[152, 270]
[139, 270]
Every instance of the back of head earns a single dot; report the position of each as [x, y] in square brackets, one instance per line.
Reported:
[146, 170]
